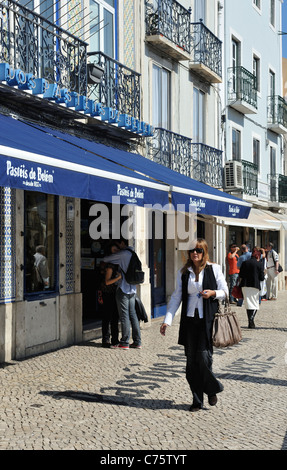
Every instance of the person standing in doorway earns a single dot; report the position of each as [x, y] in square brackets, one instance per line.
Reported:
[126, 299]
[233, 271]
[110, 321]
[272, 262]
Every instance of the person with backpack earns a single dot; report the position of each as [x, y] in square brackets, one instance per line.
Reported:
[125, 297]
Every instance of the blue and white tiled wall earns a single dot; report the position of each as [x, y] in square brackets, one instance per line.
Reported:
[7, 245]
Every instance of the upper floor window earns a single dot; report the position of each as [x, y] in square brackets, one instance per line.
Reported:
[257, 3]
[272, 12]
[256, 72]
[236, 145]
[102, 27]
[272, 161]
[40, 242]
[160, 97]
[256, 152]
[271, 83]
[199, 11]
[45, 8]
[198, 116]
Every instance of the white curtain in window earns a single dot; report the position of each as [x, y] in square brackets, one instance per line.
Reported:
[160, 97]
[198, 116]
[199, 10]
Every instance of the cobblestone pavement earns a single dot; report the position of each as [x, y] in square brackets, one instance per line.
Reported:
[89, 398]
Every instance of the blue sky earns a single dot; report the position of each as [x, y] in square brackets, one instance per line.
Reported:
[284, 29]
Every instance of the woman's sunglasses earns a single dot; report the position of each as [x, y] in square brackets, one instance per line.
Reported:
[198, 250]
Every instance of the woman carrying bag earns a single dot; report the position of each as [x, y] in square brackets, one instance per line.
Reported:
[200, 285]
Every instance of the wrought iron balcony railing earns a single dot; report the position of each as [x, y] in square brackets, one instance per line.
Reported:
[278, 188]
[277, 112]
[118, 88]
[207, 165]
[282, 188]
[206, 48]
[169, 19]
[178, 153]
[250, 178]
[35, 45]
[242, 87]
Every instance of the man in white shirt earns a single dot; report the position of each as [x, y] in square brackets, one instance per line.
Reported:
[272, 259]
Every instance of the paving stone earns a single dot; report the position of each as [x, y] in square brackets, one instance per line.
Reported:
[89, 398]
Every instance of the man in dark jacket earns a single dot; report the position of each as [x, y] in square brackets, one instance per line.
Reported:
[251, 273]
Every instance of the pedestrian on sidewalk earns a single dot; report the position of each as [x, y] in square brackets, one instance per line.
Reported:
[110, 321]
[251, 274]
[125, 297]
[245, 255]
[272, 259]
[233, 271]
[200, 285]
[263, 286]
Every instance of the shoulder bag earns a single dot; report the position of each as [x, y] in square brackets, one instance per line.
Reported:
[226, 327]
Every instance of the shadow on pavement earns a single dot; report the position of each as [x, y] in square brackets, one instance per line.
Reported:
[252, 378]
[113, 400]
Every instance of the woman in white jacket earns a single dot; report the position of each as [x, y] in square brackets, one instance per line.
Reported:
[200, 285]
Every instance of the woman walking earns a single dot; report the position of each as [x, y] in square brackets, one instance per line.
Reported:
[251, 275]
[200, 285]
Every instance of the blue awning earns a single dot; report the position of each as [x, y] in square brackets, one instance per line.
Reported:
[77, 167]
[34, 160]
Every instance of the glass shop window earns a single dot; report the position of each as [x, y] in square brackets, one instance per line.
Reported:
[40, 242]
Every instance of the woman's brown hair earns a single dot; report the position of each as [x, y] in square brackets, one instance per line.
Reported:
[199, 243]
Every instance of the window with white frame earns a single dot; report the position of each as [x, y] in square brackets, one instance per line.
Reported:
[160, 97]
[257, 3]
[102, 26]
[198, 115]
[236, 145]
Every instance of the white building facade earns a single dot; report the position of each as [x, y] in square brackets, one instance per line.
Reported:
[104, 99]
[254, 120]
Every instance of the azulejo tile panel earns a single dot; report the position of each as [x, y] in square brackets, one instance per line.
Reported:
[7, 245]
[70, 241]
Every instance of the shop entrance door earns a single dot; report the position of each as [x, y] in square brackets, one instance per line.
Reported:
[157, 253]
[92, 253]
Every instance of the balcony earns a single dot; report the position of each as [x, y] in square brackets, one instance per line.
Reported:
[168, 28]
[197, 161]
[250, 178]
[206, 53]
[277, 188]
[39, 47]
[242, 93]
[277, 114]
[118, 88]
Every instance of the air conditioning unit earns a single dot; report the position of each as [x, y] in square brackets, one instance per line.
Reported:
[233, 177]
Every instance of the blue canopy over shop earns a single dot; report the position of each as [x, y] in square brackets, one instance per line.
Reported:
[43, 159]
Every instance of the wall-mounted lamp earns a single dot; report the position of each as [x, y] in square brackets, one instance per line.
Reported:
[95, 73]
